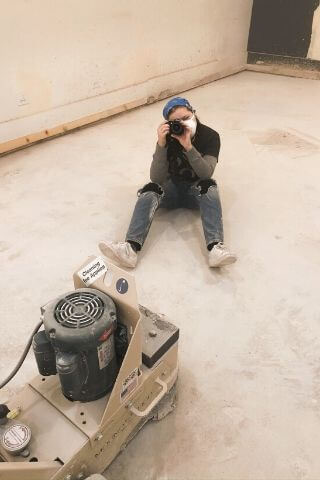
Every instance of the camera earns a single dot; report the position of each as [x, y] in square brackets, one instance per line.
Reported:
[175, 127]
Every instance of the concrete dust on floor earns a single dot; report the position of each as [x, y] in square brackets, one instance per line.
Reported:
[249, 382]
[285, 140]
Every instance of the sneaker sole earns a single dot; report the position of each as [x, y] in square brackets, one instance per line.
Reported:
[105, 250]
[225, 261]
[108, 252]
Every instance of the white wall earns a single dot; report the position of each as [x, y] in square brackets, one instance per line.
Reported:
[314, 49]
[65, 59]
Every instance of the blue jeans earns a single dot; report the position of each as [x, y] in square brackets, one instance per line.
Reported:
[203, 196]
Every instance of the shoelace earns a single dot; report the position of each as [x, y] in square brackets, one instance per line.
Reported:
[127, 248]
[220, 246]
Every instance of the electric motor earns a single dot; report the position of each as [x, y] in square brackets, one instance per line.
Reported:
[78, 343]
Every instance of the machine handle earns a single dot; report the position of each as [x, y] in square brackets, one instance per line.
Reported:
[154, 402]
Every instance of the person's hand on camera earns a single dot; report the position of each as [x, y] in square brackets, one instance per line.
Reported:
[163, 131]
[185, 138]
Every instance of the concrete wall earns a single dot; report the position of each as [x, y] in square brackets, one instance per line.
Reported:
[314, 50]
[64, 60]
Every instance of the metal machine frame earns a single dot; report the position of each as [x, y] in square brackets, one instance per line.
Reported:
[72, 440]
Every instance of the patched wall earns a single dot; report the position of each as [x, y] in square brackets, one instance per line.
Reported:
[65, 60]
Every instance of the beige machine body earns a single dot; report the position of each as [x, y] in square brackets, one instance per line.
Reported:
[72, 440]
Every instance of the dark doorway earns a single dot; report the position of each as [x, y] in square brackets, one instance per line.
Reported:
[282, 27]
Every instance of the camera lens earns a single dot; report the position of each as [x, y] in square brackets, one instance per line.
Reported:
[176, 128]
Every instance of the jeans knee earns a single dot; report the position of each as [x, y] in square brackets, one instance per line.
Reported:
[151, 187]
[204, 185]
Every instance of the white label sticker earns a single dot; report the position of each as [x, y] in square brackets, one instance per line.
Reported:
[105, 352]
[91, 272]
[129, 384]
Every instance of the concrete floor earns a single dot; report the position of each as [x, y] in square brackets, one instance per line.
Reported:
[249, 384]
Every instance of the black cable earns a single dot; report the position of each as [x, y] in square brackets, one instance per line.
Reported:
[22, 358]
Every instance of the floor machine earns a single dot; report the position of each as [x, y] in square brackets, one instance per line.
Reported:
[106, 366]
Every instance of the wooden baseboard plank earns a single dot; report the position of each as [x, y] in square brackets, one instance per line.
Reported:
[13, 145]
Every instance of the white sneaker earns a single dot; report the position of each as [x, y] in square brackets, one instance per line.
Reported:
[122, 251]
[220, 256]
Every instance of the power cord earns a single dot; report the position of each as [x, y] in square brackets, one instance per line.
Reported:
[22, 358]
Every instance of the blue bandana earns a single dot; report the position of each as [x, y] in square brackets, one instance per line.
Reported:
[175, 102]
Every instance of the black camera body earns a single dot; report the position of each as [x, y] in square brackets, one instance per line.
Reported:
[175, 127]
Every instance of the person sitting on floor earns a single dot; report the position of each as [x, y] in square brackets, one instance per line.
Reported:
[183, 163]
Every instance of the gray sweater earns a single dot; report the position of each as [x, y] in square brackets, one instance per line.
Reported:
[203, 165]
